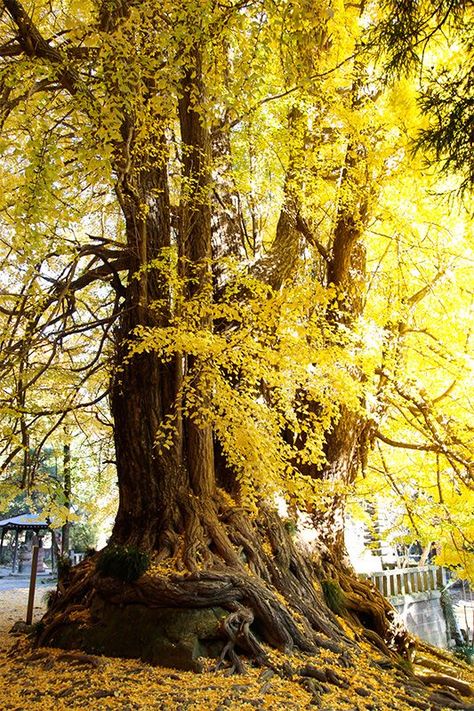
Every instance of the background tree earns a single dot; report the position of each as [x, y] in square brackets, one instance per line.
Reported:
[435, 40]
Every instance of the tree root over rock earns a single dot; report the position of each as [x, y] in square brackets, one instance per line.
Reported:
[265, 593]
[236, 627]
[263, 588]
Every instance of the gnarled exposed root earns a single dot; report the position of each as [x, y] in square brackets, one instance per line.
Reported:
[251, 569]
[274, 618]
[278, 602]
[367, 607]
[236, 627]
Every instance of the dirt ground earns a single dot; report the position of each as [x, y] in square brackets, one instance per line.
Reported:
[45, 679]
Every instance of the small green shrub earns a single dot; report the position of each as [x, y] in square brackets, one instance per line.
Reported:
[334, 596]
[123, 563]
[37, 628]
[64, 566]
[49, 597]
[465, 652]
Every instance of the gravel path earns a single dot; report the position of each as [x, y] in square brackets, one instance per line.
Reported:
[13, 604]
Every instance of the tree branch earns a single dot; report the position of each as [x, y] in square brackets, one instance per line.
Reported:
[303, 227]
[408, 445]
[108, 270]
[34, 45]
[421, 293]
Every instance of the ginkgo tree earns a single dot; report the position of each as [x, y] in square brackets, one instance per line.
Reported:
[188, 195]
[420, 323]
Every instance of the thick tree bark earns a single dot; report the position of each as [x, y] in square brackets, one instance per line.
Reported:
[168, 498]
[144, 390]
[195, 244]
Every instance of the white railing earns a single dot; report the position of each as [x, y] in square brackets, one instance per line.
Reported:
[75, 558]
[406, 581]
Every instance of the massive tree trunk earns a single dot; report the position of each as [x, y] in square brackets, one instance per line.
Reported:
[204, 550]
[180, 544]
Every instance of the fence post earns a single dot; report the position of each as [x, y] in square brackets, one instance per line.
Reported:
[31, 594]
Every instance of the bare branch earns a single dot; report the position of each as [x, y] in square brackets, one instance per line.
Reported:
[408, 445]
[303, 227]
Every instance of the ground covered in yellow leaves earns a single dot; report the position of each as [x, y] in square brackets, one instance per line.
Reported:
[54, 679]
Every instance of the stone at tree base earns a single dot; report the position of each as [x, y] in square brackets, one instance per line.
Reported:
[167, 637]
[21, 627]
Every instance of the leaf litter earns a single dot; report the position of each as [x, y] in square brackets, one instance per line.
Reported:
[42, 679]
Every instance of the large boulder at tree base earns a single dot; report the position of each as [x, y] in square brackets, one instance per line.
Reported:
[162, 636]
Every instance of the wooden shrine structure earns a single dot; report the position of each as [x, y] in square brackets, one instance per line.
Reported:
[19, 524]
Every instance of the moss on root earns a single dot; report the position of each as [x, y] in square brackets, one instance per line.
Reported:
[123, 563]
[334, 596]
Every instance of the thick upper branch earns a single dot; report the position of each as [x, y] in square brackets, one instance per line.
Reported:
[34, 45]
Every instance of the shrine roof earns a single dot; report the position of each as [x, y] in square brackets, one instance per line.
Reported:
[25, 521]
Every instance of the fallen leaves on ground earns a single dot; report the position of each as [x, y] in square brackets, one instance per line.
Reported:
[37, 679]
